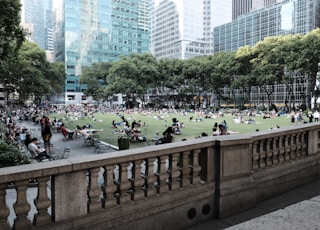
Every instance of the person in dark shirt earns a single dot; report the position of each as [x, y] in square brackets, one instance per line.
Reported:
[28, 139]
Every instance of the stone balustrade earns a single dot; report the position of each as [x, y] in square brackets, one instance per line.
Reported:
[171, 186]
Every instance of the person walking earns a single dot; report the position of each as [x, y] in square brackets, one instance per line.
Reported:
[46, 136]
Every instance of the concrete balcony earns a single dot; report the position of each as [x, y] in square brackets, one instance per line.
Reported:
[172, 186]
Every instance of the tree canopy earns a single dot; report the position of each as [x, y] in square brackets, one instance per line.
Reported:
[273, 61]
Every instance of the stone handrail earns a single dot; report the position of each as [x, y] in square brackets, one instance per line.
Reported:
[169, 186]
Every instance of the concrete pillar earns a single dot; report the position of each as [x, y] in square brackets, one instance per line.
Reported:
[69, 195]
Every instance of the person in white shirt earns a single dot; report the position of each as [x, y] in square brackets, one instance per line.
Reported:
[35, 150]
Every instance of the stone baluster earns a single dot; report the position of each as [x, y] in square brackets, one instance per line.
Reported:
[186, 169]
[94, 191]
[163, 175]
[262, 155]
[255, 156]
[282, 149]
[138, 181]
[299, 145]
[196, 168]
[275, 148]
[304, 144]
[287, 147]
[293, 145]
[269, 152]
[21, 206]
[175, 172]
[151, 178]
[4, 210]
[42, 202]
[110, 188]
[125, 184]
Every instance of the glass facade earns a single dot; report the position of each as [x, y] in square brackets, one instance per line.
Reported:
[93, 31]
[287, 17]
[37, 17]
[181, 28]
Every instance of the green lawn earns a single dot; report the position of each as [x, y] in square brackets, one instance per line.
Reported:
[191, 130]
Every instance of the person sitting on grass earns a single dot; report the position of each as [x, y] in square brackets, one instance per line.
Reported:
[167, 137]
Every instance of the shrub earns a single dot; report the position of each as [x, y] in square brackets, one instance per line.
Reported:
[11, 156]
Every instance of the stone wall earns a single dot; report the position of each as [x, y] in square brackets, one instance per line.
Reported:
[170, 186]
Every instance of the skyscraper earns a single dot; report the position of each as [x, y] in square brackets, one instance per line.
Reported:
[91, 31]
[240, 7]
[183, 28]
[37, 17]
[286, 17]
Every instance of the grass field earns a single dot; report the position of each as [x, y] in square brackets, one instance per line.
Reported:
[191, 129]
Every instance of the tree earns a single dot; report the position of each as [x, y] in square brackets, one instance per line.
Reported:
[225, 66]
[268, 66]
[244, 78]
[11, 36]
[307, 62]
[95, 77]
[132, 76]
[33, 76]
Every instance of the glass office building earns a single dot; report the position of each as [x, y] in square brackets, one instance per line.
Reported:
[287, 17]
[240, 7]
[93, 31]
[37, 17]
[181, 29]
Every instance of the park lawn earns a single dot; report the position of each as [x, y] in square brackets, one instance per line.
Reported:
[191, 130]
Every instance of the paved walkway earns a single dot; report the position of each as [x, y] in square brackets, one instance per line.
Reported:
[76, 145]
[298, 209]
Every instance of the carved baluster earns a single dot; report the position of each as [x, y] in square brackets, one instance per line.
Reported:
[21, 206]
[138, 181]
[186, 169]
[196, 168]
[4, 210]
[255, 156]
[110, 188]
[275, 147]
[151, 178]
[298, 145]
[175, 172]
[304, 141]
[163, 175]
[94, 191]
[263, 155]
[293, 149]
[287, 147]
[269, 152]
[281, 148]
[42, 202]
[125, 185]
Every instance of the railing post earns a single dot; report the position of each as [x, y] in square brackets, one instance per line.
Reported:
[22, 207]
[4, 210]
[138, 181]
[42, 203]
[151, 178]
[186, 169]
[163, 175]
[110, 187]
[94, 192]
[125, 185]
[196, 168]
[70, 195]
[175, 173]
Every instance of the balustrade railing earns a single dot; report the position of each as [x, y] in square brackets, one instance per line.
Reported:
[46, 194]
[112, 181]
